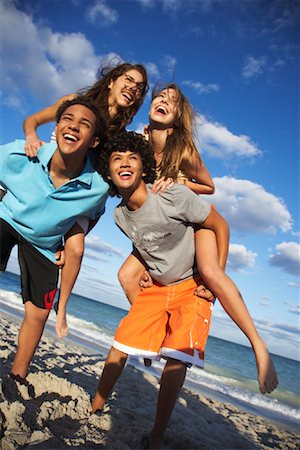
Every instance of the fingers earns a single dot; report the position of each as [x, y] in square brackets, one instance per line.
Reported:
[60, 258]
[146, 280]
[204, 293]
[162, 184]
[31, 147]
[62, 331]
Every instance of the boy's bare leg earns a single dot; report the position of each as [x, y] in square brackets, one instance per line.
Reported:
[113, 368]
[172, 379]
[229, 296]
[29, 337]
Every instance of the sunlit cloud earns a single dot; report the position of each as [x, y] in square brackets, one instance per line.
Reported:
[248, 207]
[240, 257]
[215, 140]
[94, 243]
[287, 257]
[45, 64]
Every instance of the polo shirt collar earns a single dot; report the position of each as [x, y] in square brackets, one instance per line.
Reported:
[45, 154]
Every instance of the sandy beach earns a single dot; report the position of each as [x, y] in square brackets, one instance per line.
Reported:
[64, 376]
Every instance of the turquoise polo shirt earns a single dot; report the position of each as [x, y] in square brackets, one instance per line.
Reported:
[41, 213]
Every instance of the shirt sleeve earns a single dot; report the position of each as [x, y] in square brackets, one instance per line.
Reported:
[190, 207]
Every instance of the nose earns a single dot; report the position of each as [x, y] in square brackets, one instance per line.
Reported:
[74, 126]
[124, 162]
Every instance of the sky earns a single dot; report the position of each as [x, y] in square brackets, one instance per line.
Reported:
[238, 64]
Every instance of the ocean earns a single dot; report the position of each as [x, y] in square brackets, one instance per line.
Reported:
[230, 370]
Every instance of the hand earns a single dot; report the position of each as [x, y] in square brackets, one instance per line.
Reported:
[162, 184]
[146, 280]
[60, 258]
[202, 292]
[32, 146]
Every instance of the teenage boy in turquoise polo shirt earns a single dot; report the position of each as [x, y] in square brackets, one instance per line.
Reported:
[44, 197]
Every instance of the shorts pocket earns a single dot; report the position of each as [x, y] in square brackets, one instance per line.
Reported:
[201, 325]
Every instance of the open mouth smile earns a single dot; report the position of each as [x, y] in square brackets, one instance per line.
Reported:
[70, 137]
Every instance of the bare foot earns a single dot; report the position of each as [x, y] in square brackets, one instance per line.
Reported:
[267, 376]
[155, 443]
[61, 326]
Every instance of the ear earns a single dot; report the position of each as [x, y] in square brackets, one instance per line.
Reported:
[109, 177]
[110, 84]
[144, 174]
[95, 142]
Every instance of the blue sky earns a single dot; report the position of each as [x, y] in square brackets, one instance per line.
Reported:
[238, 63]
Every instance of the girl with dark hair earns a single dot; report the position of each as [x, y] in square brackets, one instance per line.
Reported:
[119, 93]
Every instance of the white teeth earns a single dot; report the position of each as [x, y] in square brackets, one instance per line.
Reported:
[162, 110]
[70, 137]
[122, 174]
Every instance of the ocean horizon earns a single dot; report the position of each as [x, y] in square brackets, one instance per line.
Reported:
[230, 370]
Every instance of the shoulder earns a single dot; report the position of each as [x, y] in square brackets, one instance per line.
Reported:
[14, 146]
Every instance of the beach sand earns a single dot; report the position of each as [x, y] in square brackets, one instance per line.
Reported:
[65, 375]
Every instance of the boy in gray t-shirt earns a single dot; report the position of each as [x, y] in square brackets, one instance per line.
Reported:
[166, 320]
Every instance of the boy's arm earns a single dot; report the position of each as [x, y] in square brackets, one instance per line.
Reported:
[32, 122]
[74, 249]
[219, 226]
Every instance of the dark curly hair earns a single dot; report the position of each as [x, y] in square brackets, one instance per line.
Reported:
[123, 142]
[100, 127]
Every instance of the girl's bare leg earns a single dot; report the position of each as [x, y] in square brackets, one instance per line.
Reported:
[129, 276]
[229, 296]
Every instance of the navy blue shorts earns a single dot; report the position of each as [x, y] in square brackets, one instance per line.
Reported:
[39, 275]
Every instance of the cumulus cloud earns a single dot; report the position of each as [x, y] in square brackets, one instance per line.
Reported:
[240, 257]
[248, 207]
[201, 88]
[41, 61]
[287, 257]
[93, 243]
[215, 140]
[253, 66]
[100, 13]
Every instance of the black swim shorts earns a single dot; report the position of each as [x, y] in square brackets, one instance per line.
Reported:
[39, 275]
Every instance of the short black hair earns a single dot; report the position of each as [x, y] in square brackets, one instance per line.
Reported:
[100, 127]
[123, 142]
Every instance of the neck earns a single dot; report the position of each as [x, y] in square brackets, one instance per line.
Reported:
[158, 138]
[64, 167]
[136, 197]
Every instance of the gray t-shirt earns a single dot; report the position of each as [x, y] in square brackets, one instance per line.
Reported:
[162, 231]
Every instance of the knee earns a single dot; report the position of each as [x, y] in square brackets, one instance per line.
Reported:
[76, 252]
[210, 273]
[123, 277]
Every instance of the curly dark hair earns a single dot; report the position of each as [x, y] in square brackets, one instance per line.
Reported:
[123, 142]
[100, 127]
[99, 93]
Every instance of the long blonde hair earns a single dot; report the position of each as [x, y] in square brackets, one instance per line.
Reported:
[181, 141]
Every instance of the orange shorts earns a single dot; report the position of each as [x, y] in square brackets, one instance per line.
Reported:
[166, 321]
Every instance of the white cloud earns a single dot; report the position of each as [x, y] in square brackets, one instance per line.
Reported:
[240, 257]
[217, 141]
[293, 284]
[287, 257]
[201, 88]
[93, 243]
[295, 310]
[248, 207]
[100, 13]
[253, 66]
[38, 60]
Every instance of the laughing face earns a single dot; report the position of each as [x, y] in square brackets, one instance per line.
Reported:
[75, 130]
[126, 89]
[163, 109]
[125, 170]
